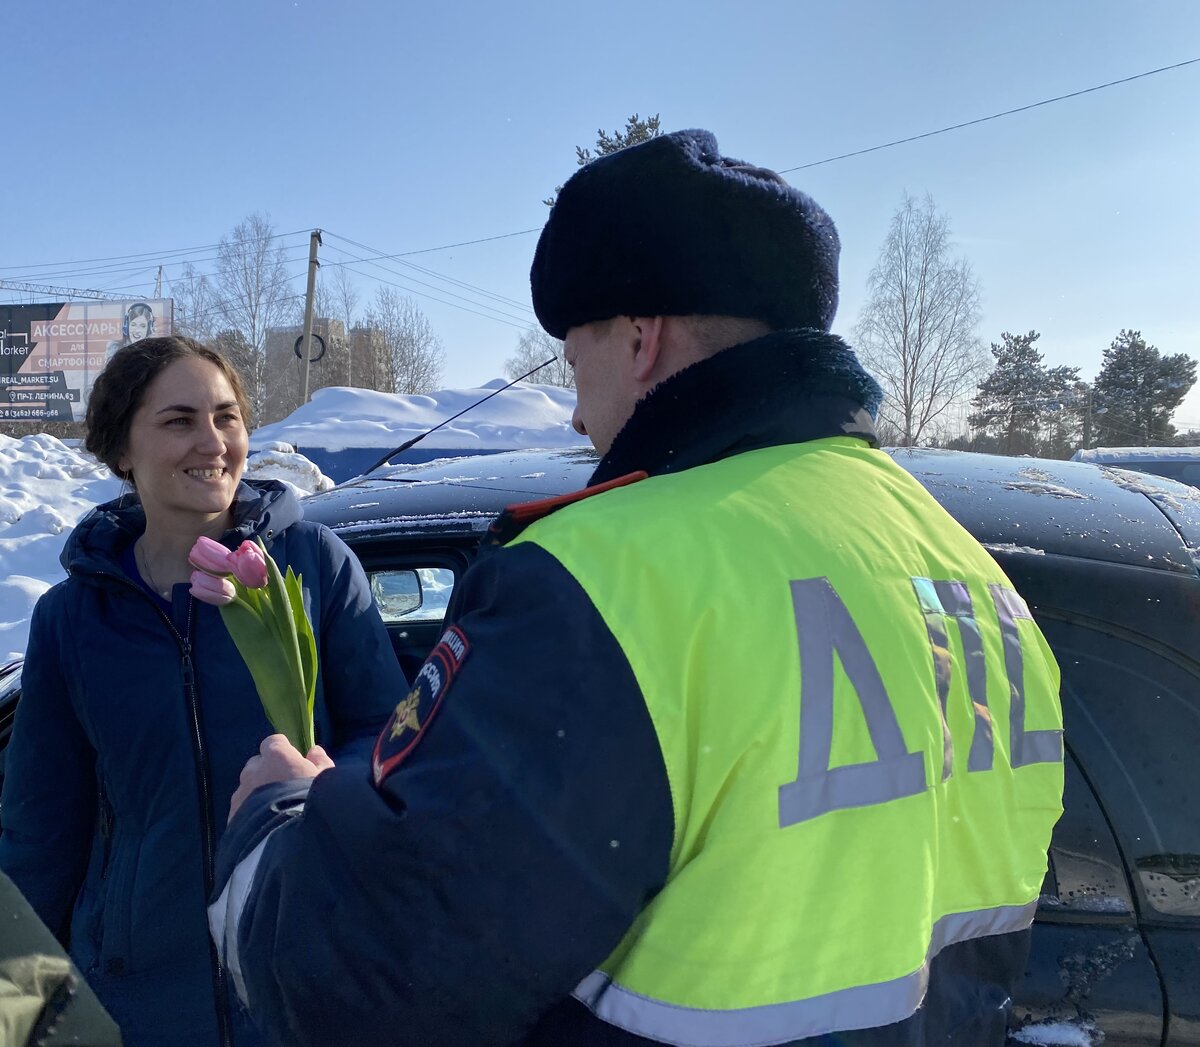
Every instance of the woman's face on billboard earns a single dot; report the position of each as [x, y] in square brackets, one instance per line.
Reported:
[139, 327]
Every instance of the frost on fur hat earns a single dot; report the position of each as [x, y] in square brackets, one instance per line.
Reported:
[672, 228]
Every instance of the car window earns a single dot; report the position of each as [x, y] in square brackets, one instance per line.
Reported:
[1183, 471]
[1133, 718]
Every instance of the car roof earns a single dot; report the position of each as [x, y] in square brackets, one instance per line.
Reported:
[1011, 505]
[1065, 508]
[1116, 455]
[449, 495]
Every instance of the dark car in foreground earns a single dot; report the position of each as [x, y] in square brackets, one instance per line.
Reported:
[1109, 563]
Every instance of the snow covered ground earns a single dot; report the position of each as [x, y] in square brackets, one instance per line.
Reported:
[46, 486]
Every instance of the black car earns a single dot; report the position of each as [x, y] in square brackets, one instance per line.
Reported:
[1176, 463]
[1109, 563]
[10, 692]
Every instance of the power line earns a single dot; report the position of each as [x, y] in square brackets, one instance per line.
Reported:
[464, 243]
[422, 294]
[405, 276]
[53, 268]
[378, 256]
[994, 116]
[150, 256]
[421, 269]
[118, 270]
[121, 276]
[138, 290]
[216, 306]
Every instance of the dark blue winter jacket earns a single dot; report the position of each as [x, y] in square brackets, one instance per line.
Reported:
[128, 743]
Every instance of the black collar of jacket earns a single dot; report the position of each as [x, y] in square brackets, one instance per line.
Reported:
[786, 387]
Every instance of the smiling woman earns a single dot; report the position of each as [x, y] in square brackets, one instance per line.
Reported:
[183, 449]
[129, 680]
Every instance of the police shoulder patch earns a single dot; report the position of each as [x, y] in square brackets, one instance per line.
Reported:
[515, 518]
[416, 709]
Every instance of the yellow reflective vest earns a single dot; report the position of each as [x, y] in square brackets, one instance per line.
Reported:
[861, 730]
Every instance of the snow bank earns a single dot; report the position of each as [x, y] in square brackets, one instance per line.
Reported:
[337, 419]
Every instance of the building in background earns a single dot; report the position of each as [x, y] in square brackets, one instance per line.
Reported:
[359, 358]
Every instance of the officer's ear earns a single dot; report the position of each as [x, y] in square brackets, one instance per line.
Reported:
[648, 347]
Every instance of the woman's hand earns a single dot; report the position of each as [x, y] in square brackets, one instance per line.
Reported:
[277, 761]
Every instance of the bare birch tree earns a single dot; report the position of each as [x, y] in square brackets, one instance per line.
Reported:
[535, 346]
[409, 354]
[195, 304]
[341, 304]
[343, 297]
[254, 295]
[916, 332]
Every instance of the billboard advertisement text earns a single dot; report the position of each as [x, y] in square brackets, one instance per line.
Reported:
[50, 353]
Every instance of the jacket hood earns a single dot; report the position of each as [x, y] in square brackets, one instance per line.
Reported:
[261, 508]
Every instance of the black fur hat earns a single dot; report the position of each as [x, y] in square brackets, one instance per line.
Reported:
[672, 228]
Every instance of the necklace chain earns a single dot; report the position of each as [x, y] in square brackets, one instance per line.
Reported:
[144, 559]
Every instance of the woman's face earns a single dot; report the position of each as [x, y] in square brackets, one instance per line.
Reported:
[139, 327]
[187, 447]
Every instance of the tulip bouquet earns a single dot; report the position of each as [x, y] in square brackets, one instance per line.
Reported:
[264, 613]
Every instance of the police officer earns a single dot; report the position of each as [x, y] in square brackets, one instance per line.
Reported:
[747, 743]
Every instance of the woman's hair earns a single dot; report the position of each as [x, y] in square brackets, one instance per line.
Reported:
[138, 309]
[121, 387]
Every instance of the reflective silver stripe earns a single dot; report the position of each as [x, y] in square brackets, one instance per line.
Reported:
[938, 601]
[824, 626]
[860, 1007]
[930, 597]
[1026, 746]
[225, 914]
[982, 745]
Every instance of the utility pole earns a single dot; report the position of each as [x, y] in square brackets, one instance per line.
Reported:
[158, 284]
[306, 345]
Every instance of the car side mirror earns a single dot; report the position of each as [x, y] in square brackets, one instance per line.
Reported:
[397, 593]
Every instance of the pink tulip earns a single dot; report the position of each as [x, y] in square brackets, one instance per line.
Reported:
[216, 591]
[249, 566]
[210, 556]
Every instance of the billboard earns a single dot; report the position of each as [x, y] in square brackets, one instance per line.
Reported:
[50, 353]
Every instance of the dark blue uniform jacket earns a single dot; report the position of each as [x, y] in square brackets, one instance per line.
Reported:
[459, 901]
[128, 743]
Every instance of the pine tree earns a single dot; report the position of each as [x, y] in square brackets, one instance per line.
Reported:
[636, 131]
[1004, 403]
[1022, 406]
[1136, 391]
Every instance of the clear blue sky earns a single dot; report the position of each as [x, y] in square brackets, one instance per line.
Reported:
[148, 128]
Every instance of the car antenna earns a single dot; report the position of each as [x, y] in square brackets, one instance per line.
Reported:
[417, 439]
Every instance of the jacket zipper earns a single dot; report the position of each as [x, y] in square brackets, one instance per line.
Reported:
[221, 980]
[220, 976]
